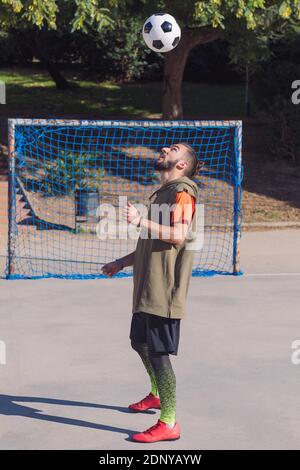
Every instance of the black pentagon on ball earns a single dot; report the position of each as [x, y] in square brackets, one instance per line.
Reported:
[147, 27]
[157, 44]
[176, 41]
[159, 14]
[166, 27]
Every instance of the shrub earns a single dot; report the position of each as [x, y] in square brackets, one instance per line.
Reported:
[69, 172]
[272, 93]
[282, 119]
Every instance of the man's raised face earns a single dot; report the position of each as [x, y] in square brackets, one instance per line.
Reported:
[170, 156]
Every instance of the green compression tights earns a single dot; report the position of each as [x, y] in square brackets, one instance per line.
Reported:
[163, 380]
[143, 352]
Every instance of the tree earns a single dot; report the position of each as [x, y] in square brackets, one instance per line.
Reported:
[41, 13]
[32, 17]
[205, 21]
[201, 22]
[248, 52]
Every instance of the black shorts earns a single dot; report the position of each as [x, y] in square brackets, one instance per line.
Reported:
[161, 334]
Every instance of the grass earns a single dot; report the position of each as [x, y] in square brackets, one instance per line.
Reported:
[34, 91]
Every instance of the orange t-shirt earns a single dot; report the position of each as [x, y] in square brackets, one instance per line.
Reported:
[185, 208]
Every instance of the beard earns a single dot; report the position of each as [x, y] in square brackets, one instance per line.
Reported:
[165, 165]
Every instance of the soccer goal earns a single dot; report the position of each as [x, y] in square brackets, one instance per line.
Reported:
[63, 171]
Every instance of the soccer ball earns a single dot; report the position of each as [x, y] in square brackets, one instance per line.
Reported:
[161, 32]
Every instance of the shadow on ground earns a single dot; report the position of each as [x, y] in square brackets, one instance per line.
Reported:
[8, 407]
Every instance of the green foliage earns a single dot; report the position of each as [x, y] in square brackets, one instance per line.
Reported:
[41, 13]
[92, 13]
[272, 91]
[121, 54]
[100, 13]
[21, 12]
[69, 172]
[247, 49]
[248, 25]
[92, 16]
[273, 81]
[125, 51]
[282, 120]
[255, 13]
[117, 53]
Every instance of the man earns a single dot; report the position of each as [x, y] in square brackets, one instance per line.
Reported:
[162, 266]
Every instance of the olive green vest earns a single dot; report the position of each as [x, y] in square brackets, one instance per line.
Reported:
[161, 270]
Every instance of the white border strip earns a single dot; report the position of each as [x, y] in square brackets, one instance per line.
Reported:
[270, 274]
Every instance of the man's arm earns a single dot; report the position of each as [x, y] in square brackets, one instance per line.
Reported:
[115, 266]
[175, 234]
[180, 220]
[127, 260]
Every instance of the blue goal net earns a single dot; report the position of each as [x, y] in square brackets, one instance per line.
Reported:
[64, 172]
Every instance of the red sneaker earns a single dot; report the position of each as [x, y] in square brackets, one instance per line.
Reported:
[159, 432]
[150, 401]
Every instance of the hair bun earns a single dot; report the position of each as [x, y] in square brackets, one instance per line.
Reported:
[199, 165]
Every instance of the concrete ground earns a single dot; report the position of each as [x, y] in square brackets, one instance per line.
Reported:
[70, 372]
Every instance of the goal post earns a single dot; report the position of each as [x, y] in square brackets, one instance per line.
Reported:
[69, 178]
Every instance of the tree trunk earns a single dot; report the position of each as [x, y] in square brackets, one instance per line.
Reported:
[247, 96]
[175, 61]
[59, 80]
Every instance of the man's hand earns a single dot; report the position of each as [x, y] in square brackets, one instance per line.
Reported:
[110, 269]
[131, 214]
